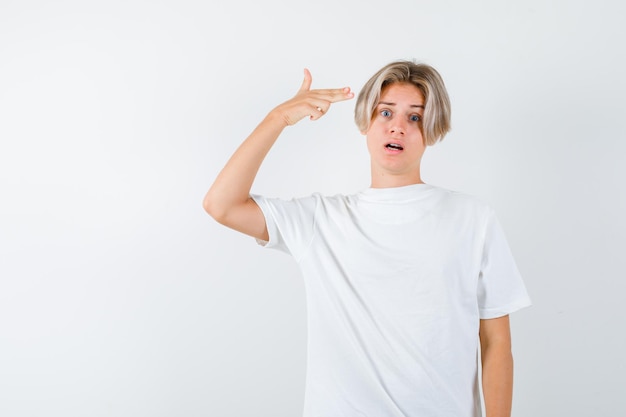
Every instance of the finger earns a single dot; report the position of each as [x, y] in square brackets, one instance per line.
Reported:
[334, 95]
[308, 79]
[318, 110]
[315, 115]
[320, 107]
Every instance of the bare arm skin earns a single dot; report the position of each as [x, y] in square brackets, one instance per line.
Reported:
[228, 200]
[497, 361]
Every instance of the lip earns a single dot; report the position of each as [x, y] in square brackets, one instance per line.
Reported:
[394, 142]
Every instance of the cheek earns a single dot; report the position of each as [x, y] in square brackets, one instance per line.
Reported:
[370, 141]
[419, 132]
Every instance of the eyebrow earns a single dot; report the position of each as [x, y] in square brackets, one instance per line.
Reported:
[393, 104]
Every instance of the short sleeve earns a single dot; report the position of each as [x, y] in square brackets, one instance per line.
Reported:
[501, 289]
[290, 223]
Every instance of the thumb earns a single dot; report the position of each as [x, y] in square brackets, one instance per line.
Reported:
[306, 83]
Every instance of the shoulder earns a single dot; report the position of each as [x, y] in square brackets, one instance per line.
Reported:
[311, 203]
[462, 198]
[466, 204]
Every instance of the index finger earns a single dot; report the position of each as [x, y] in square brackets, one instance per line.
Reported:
[334, 95]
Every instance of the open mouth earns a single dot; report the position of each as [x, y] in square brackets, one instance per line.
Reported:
[394, 147]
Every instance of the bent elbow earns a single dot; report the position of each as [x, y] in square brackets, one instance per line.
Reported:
[213, 209]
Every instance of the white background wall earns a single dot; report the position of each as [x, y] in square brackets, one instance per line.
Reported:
[119, 296]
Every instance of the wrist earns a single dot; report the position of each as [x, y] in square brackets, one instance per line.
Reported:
[277, 118]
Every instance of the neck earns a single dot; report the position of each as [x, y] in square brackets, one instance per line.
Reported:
[390, 173]
[387, 180]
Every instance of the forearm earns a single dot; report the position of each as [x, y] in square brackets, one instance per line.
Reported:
[497, 376]
[228, 200]
[232, 185]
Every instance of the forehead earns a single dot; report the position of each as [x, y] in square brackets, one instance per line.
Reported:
[398, 93]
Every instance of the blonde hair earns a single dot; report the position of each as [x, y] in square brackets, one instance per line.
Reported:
[436, 118]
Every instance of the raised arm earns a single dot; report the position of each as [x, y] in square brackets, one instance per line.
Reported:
[228, 200]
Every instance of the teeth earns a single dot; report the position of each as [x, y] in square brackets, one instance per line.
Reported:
[394, 146]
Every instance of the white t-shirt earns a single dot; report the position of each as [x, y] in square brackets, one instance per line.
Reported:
[396, 280]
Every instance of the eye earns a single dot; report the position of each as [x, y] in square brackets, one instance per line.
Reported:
[415, 118]
[385, 113]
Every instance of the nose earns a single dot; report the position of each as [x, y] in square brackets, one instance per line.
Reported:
[397, 127]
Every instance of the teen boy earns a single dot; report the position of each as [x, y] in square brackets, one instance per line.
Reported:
[408, 285]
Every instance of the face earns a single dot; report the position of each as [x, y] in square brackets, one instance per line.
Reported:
[394, 138]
